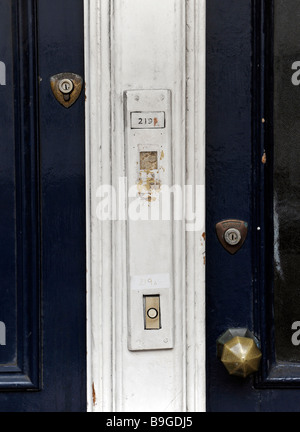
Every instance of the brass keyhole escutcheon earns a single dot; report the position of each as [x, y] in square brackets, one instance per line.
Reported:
[232, 234]
[66, 88]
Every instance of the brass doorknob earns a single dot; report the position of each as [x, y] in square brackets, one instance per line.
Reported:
[239, 351]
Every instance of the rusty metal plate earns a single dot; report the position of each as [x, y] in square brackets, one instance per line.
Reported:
[231, 226]
[66, 99]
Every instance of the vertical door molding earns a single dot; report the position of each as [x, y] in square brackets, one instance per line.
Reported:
[195, 175]
[119, 57]
[99, 234]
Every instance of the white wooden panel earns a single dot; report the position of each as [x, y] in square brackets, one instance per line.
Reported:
[147, 54]
[130, 45]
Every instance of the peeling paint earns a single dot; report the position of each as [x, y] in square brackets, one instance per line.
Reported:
[148, 185]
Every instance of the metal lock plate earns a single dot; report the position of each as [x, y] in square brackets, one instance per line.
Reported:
[232, 234]
[66, 88]
[148, 144]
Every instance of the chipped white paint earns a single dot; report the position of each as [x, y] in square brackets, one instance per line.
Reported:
[143, 44]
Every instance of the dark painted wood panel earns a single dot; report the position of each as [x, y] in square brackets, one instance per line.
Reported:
[229, 182]
[42, 218]
[19, 220]
[240, 127]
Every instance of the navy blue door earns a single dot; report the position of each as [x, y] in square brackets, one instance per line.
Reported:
[253, 166]
[42, 217]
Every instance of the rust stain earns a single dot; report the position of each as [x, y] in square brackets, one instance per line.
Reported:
[204, 236]
[264, 158]
[155, 121]
[94, 395]
[162, 155]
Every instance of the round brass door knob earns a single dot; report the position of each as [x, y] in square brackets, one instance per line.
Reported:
[239, 352]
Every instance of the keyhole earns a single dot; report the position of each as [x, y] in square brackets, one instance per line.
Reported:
[66, 86]
[232, 237]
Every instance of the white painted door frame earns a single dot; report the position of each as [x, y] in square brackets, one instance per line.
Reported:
[144, 44]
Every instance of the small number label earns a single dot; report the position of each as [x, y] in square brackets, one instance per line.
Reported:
[147, 120]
